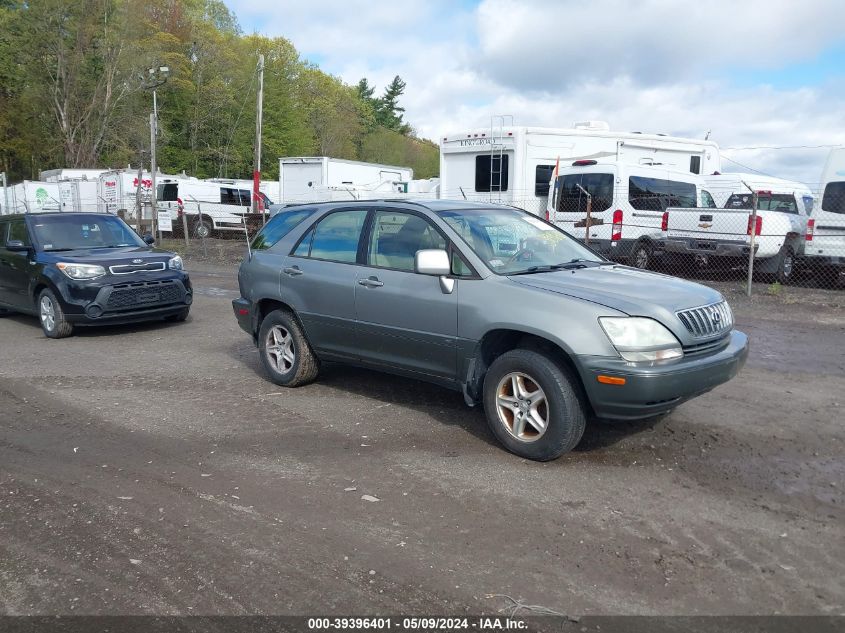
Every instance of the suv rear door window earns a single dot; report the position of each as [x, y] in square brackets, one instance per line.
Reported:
[335, 238]
[571, 199]
[396, 237]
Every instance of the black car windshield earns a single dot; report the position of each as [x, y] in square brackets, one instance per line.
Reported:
[513, 241]
[74, 231]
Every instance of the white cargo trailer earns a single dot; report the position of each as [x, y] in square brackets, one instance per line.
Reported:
[78, 195]
[514, 164]
[57, 175]
[32, 196]
[313, 178]
[117, 191]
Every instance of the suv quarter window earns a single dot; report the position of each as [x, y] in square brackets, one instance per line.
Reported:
[334, 238]
[279, 225]
[396, 236]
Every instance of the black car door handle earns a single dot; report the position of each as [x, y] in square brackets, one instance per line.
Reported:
[371, 282]
[292, 271]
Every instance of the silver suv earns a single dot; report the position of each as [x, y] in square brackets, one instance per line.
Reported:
[487, 300]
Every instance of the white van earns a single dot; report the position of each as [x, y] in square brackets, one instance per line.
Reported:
[627, 206]
[825, 245]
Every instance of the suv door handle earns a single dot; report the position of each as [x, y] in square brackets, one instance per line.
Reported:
[292, 271]
[371, 282]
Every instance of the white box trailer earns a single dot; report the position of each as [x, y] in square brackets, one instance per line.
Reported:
[78, 195]
[514, 164]
[117, 190]
[57, 175]
[314, 178]
[32, 196]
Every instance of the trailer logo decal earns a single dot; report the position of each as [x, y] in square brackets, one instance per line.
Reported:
[41, 196]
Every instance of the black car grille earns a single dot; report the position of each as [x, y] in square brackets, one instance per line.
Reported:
[145, 294]
[126, 269]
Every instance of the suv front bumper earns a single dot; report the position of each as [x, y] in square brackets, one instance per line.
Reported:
[650, 391]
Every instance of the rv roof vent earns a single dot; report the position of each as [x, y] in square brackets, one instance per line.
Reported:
[592, 125]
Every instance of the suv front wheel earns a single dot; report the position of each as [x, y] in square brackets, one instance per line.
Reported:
[532, 405]
[285, 353]
[52, 316]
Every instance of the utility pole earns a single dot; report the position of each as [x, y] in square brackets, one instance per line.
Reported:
[257, 202]
[153, 125]
[5, 194]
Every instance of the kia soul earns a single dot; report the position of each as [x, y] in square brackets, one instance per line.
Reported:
[79, 269]
[488, 300]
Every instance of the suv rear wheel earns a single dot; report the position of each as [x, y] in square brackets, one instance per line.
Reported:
[285, 352]
[532, 405]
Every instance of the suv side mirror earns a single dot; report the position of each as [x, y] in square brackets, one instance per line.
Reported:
[16, 245]
[148, 238]
[432, 262]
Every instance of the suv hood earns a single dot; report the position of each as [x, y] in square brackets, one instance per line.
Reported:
[630, 290]
[108, 256]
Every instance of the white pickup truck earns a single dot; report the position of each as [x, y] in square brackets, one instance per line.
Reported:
[722, 237]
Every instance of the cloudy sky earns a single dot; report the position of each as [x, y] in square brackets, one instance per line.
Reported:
[757, 74]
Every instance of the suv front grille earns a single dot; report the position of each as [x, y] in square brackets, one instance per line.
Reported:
[707, 321]
[140, 295]
[126, 269]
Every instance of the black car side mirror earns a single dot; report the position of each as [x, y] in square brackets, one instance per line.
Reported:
[149, 239]
[16, 245]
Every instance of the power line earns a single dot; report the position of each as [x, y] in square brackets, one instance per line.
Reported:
[756, 171]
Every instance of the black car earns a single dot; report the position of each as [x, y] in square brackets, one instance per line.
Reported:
[87, 269]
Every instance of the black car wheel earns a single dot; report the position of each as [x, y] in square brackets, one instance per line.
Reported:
[285, 352]
[641, 256]
[5, 312]
[533, 405]
[52, 316]
[203, 228]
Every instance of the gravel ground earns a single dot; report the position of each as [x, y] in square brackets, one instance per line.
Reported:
[152, 469]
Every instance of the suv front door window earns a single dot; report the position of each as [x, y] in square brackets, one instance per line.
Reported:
[404, 319]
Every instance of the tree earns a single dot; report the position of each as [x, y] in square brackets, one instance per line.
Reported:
[388, 111]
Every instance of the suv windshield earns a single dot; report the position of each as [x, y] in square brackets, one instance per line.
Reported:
[512, 241]
[77, 231]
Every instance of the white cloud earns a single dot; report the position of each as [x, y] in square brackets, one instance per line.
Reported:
[654, 65]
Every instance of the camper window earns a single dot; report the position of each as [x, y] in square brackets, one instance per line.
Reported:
[655, 194]
[571, 199]
[542, 176]
[491, 172]
[834, 197]
[695, 164]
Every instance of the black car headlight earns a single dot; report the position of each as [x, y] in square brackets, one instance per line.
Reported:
[81, 271]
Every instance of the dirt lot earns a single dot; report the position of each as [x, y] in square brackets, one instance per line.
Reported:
[152, 469]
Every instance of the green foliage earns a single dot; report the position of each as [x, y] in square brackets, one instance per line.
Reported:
[75, 92]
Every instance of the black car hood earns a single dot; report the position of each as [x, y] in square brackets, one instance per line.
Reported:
[629, 290]
[108, 256]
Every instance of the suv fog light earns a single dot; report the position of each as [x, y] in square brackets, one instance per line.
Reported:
[94, 310]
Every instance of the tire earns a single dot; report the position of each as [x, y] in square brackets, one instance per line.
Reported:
[203, 228]
[285, 352]
[786, 266]
[178, 318]
[51, 316]
[523, 372]
[642, 256]
[4, 312]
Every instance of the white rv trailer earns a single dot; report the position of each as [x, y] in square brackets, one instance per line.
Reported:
[32, 196]
[825, 245]
[313, 178]
[514, 164]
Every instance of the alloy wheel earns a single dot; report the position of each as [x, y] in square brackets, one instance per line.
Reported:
[48, 313]
[280, 350]
[522, 407]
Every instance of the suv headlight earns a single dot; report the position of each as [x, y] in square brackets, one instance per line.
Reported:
[638, 339]
[81, 271]
[175, 263]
